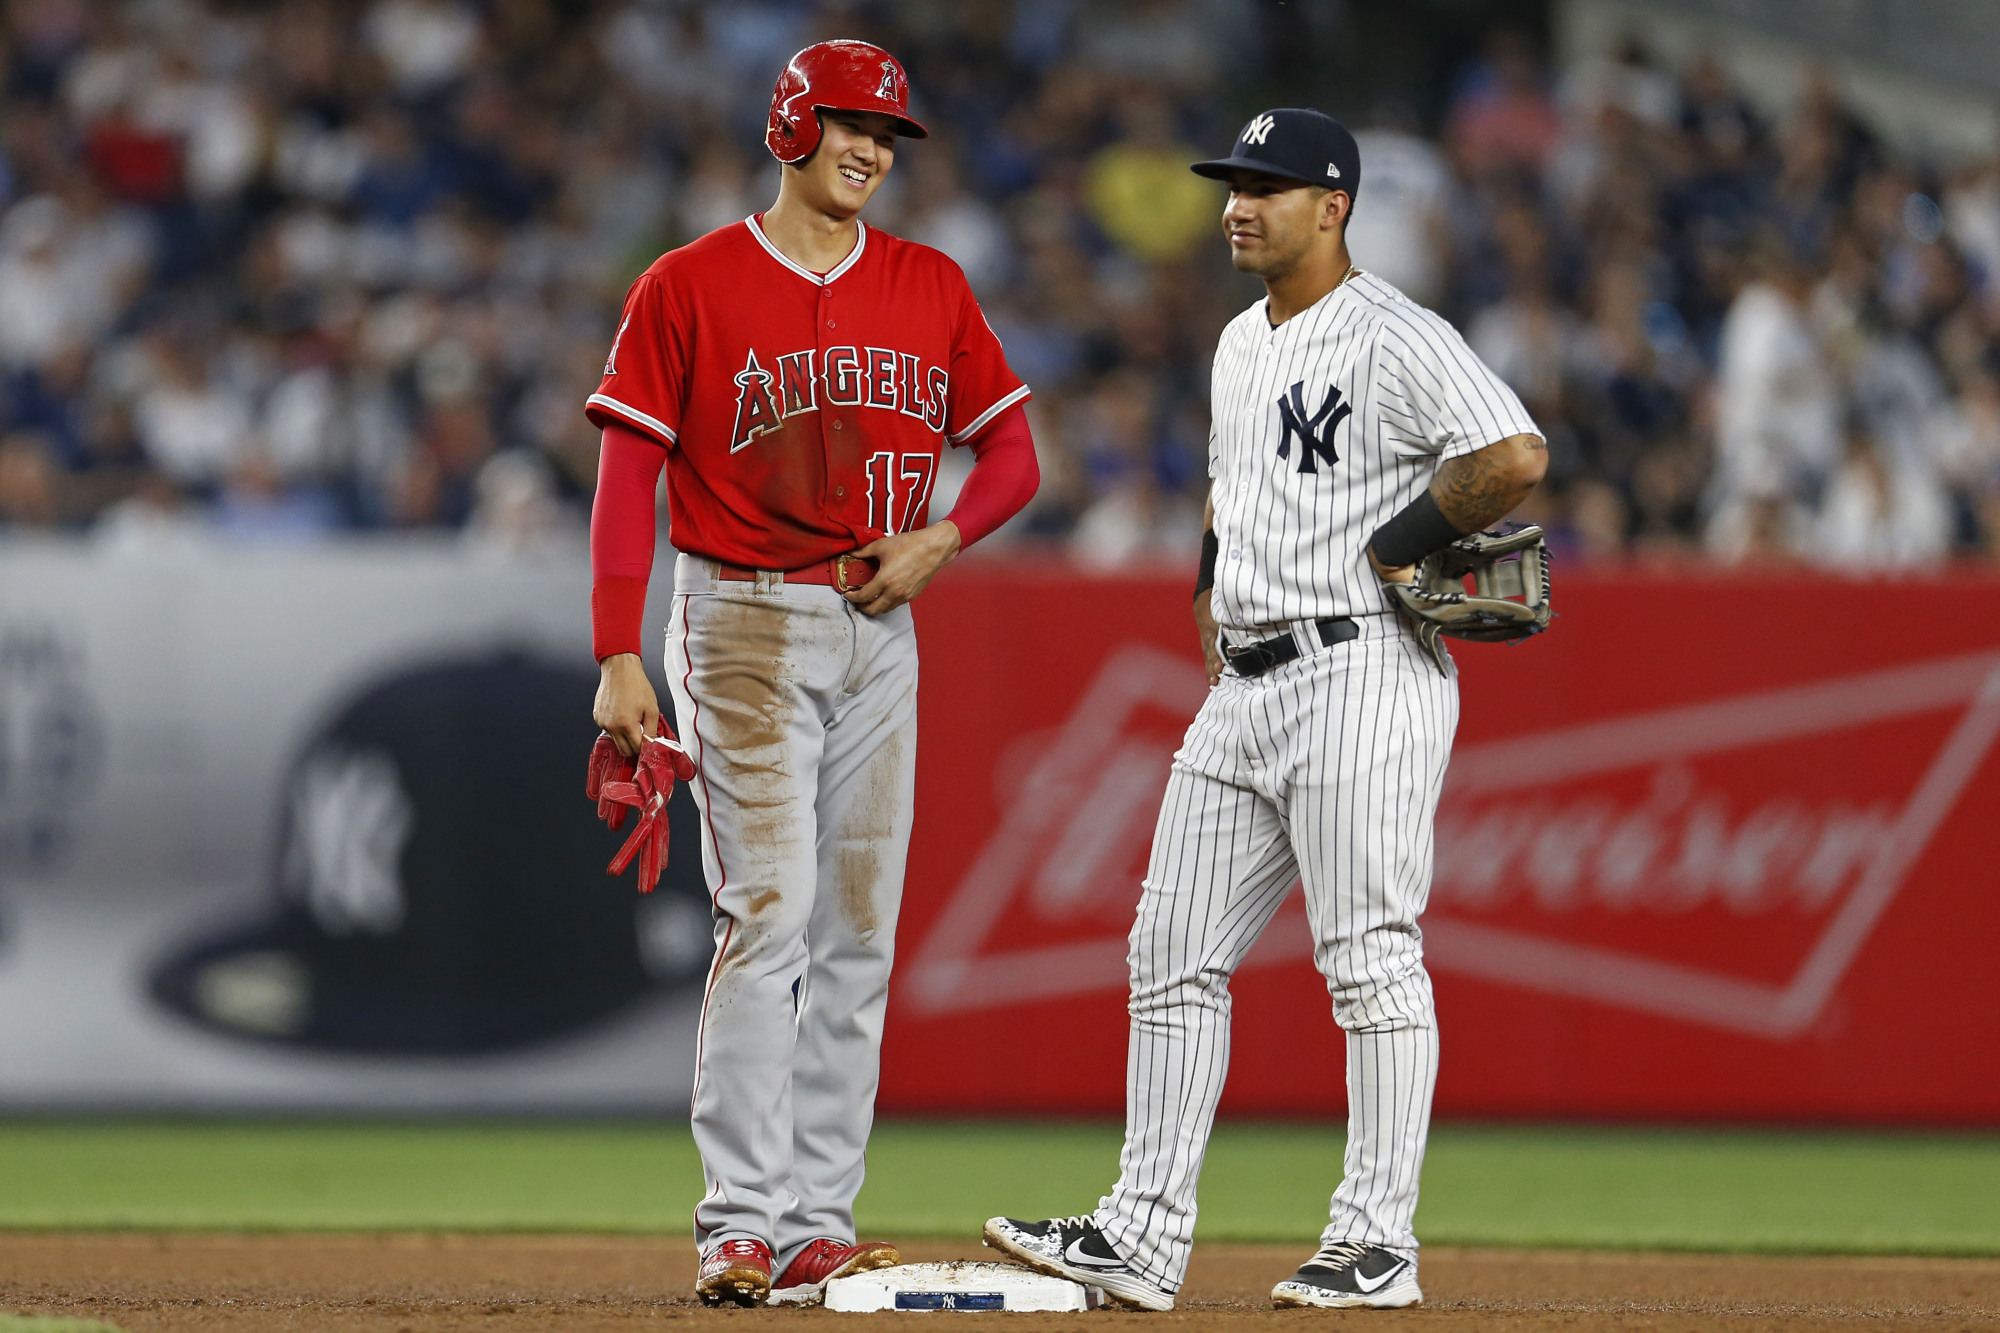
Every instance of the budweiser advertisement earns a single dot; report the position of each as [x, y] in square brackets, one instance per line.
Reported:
[1714, 847]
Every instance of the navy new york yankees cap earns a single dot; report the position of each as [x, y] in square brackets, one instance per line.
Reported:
[422, 905]
[1303, 144]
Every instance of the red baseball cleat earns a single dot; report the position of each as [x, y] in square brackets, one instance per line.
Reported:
[821, 1261]
[736, 1272]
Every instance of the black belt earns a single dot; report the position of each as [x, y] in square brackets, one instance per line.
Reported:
[1254, 659]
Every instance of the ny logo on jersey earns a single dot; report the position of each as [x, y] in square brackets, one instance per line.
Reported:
[1259, 129]
[1315, 432]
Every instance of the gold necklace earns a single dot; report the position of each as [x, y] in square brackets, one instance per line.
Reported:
[1351, 271]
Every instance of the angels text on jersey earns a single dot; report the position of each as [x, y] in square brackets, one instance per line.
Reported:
[869, 377]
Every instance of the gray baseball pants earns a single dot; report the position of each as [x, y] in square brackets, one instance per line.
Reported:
[801, 715]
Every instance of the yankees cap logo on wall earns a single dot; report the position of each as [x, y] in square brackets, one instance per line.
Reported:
[1315, 432]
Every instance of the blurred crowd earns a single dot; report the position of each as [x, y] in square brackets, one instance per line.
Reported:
[288, 270]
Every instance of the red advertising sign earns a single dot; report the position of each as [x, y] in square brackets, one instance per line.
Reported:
[1734, 869]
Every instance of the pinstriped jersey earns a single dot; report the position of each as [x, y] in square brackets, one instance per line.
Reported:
[1323, 428]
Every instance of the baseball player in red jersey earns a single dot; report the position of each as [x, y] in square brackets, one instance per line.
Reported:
[797, 375]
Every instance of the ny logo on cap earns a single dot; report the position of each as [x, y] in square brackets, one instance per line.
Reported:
[1259, 129]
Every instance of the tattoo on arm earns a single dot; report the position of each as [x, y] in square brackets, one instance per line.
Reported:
[1480, 488]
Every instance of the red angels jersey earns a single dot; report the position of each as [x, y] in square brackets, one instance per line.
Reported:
[803, 415]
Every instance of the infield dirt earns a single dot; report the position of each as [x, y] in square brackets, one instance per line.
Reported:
[578, 1284]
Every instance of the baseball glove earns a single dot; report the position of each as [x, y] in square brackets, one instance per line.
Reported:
[1510, 597]
[620, 785]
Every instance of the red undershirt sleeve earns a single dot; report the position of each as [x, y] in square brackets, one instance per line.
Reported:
[1003, 478]
[622, 527]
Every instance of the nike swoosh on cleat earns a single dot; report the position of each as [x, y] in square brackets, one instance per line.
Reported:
[1075, 1256]
[1367, 1285]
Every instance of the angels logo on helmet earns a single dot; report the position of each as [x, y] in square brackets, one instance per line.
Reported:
[841, 75]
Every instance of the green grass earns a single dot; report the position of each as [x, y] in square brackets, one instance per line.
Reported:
[1625, 1188]
[1774, 1191]
[348, 1176]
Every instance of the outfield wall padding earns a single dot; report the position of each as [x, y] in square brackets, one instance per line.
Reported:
[1717, 847]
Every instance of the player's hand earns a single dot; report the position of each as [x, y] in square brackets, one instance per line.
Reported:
[626, 710]
[1211, 648]
[906, 564]
[1406, 574]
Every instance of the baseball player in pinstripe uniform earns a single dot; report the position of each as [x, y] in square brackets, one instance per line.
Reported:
[1354, 434]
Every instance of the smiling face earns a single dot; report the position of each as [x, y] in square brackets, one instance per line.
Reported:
[1274, 222]
[856, 150]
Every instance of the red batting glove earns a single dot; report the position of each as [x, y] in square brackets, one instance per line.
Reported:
[607, 766]
[645, 785]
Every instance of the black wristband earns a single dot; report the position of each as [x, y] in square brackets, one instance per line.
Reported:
[1211, 548]
[1418, 529]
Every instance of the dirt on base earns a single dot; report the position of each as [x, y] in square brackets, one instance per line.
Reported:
[571, 1284]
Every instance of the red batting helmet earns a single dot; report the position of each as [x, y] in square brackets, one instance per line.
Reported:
[835, 76]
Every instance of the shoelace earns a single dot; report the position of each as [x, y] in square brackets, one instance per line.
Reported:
[1083, 1220]
[1341, 1252]
[737, 1248]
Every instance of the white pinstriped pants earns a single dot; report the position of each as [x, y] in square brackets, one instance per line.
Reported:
[1326, 769]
